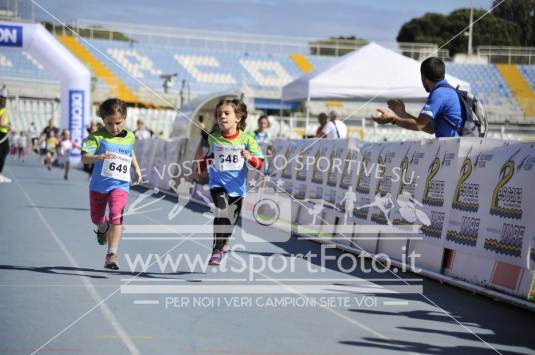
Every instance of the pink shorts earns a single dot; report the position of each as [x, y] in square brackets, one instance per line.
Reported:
[115, 199]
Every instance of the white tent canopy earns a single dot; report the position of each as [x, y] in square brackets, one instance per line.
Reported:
[371, 71]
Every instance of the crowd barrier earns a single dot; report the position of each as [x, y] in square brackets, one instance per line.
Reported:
[462, 207]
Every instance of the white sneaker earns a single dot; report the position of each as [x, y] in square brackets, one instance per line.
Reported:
[4, 179]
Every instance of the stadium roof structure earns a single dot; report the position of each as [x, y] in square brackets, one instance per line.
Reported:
[371, 71]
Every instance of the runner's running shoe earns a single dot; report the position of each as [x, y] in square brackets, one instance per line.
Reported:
[4, 179]
[216, 258]
[111, 262]
[102, 237]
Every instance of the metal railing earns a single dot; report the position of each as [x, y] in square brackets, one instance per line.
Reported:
[420, 51]
[509, 55]
[189, 38]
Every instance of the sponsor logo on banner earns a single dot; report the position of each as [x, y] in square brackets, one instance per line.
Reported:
[466, 195]
[10, 36]
[404, 186]
[332, 176]
[434, 189]
[301, 163]
[363, 179]
[76, 115]
[434, 230]
[382, 187]
[287, 171]
[434, 192]
[317, 173]
[510, 242]
[467, 218]
[362, 186]
[321, 160]
[468, 232]
[346, 180]
[506, 204]
[506, 201]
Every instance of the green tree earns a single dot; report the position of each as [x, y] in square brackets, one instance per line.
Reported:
[441, 30]
[521, 12]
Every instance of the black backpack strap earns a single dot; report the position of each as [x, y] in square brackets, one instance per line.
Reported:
[447, 85]
[336, 127]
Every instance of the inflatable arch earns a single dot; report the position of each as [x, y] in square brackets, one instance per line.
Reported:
[74, 77]
[184, 126]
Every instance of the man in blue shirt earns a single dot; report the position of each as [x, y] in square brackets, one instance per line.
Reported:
[441, 114]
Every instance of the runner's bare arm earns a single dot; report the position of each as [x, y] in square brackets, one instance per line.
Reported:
[90, 158]
[137, 170]
[255, 162]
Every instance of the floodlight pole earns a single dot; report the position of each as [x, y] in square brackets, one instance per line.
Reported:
[471, 27]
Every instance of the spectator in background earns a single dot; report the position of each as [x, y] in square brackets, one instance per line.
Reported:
[441, 114]
[32, 134]
[42, 147]
[13, 139]
[141, 132]
[4, 133]
[51, 149]
[50, 127]
[204, 137]
[261, 135]
[64, 149]
[322, 120]
[22, 145]
[334, 128]
[200, 122]
[92, 128]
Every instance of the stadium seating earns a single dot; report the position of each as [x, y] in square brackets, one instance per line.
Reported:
[488, 85]
[529, 73]
[485, 81]
[139, 65]
[23, 112]
[205, 70]
[20, 65]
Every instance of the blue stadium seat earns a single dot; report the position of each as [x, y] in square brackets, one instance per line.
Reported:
[528, 71]
[486, 83]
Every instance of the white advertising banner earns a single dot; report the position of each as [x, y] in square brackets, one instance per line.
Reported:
[287, 173]
[303, 167]
[400, 181]
[337, 162]
[507, 223]
[158, 165]
[275, 160]
[435, 186]
[472, 178]
[318, 168]
[369, 172]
